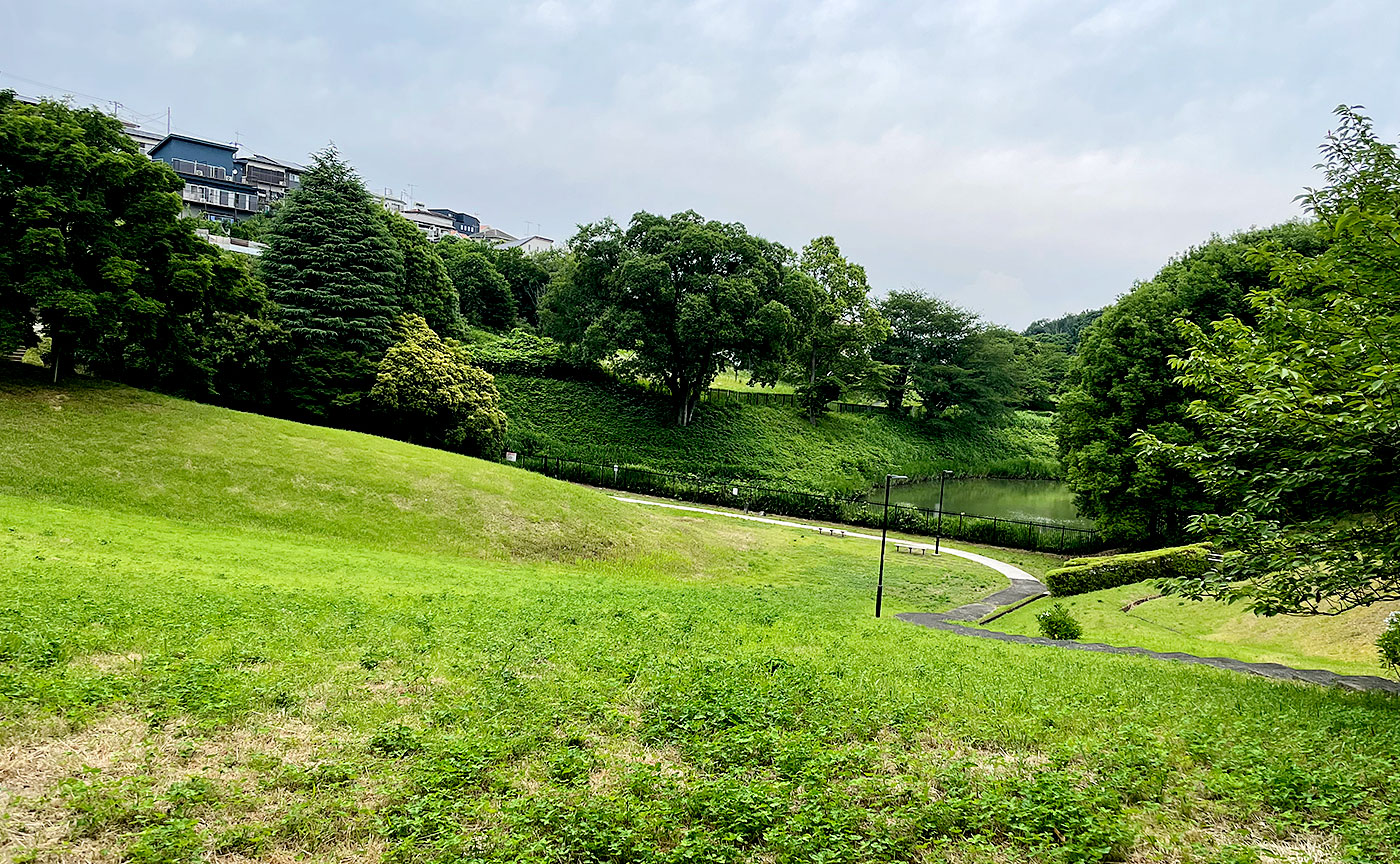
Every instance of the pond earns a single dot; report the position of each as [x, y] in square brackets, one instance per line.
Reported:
[1031, 500]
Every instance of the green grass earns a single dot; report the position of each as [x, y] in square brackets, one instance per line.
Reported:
[224, 635]
[772, 445]
[735, 379]
[1344, 643]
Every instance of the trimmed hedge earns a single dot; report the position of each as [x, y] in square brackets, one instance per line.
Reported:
[1082, 575]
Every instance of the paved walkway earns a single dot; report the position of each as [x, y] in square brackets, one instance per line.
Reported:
[1025, 585]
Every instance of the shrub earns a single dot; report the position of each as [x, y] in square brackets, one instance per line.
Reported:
[1388, 643]
[39, 354]
[436, 396]
[1058, 623]
[1081, 575]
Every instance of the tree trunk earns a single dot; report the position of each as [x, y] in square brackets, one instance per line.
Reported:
[812, 385]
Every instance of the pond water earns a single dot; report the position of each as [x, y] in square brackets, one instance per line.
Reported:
[1033, 500]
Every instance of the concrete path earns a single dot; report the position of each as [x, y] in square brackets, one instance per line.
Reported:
[1025, 585]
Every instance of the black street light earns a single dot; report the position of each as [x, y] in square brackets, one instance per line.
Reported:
[884, 529]
[938, 535]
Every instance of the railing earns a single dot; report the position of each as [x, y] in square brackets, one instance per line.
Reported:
[992, 530]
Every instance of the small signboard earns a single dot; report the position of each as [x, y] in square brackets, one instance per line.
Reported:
[510, 457]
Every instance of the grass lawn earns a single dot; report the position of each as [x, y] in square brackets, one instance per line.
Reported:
[772, 445]
[225, 637]
[1343, 643]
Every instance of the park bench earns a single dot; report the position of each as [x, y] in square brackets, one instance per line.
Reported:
[834, 532]
[911, 549]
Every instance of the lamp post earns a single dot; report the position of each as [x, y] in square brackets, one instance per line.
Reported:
[884, 529]
[938, 535]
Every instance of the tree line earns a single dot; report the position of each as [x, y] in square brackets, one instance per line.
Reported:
[1249, 394]
[98, 255]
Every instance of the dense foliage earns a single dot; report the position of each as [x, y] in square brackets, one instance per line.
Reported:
[1121, 383]
[435, 396]
[92, 249]
[682, 297]
[337, 274]
[837, 328]
[1298, 403]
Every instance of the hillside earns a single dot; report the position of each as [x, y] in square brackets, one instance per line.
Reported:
[225, 637]
[775, 445]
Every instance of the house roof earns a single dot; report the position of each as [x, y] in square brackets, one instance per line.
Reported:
[232, 148]
[524, 240]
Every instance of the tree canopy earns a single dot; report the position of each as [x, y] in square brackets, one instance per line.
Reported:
[92, 249]
[336, 273]
[677, 299]
[837, 328]
[1121, 383]
[1299, 403]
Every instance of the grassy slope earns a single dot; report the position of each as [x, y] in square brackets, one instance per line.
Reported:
[1345, 643]
[774, 445]
[337, 673]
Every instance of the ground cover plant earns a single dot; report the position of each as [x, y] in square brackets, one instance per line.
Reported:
[769, 444]
[228, 636]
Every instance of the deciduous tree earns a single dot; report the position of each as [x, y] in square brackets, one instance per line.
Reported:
[680, 298]
[1299, 407]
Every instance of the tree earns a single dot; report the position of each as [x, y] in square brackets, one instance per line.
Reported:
[528, 278]
[336, 272]
[960, 369]
[435, 396]
[681, 297]
[427, 290]
[485, 295]
[1299, 409]
[837, 328]
[92, 249]
[1120, 383]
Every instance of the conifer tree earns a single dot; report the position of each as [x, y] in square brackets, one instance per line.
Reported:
[427, 290]
[336, 272]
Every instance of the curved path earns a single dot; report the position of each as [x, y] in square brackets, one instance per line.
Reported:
[1024, 585]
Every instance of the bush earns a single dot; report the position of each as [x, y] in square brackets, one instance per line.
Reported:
[1388, 643]
[1081, 575]
[436, 396]
[1057, 623]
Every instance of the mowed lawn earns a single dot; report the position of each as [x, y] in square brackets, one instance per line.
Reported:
[234, 638]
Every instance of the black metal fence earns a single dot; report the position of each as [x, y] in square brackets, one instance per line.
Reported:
[992, 530]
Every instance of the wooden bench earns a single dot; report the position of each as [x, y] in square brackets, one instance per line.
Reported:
[834, 532]
[912, 550]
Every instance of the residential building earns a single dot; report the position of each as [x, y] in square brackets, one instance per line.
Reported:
[214, 185]
[494, 236]
[462, 223]
[391, 202]
[272, 177]
[531, 244]
[435, 225]
[144, 139]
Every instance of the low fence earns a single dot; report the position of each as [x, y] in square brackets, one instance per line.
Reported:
[992, 530]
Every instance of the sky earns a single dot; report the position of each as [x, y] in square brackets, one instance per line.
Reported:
[1023, 159]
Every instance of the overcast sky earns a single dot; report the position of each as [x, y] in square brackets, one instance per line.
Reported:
[1021, 158]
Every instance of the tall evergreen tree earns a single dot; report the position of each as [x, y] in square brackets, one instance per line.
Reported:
[427, 290]
[336, 272]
